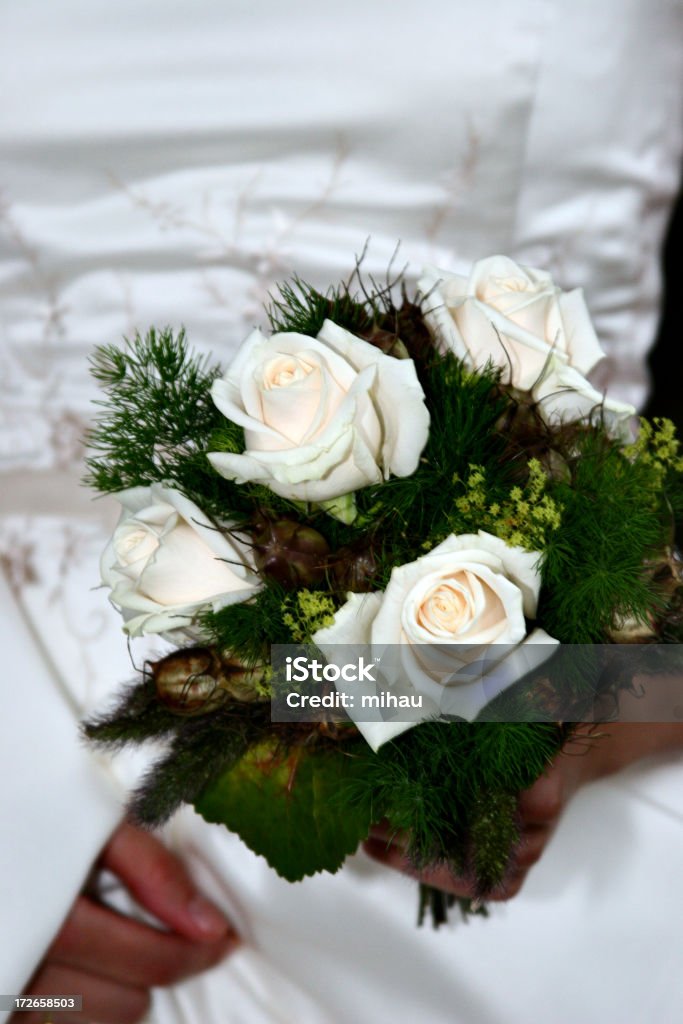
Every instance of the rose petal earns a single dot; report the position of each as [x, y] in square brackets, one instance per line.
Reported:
[352, 622]
[502, 267]
[582, 342]
[397, 393]
[505, 624]
[564, 394]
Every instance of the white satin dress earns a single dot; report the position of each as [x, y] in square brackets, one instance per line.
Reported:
[167, 163]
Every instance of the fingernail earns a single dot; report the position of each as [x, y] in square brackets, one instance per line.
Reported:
[207, 918]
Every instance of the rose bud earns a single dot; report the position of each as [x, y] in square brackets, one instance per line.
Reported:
[290, 553]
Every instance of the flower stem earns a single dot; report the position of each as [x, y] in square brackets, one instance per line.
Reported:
[436, 903]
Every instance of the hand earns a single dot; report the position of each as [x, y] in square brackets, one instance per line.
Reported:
[591, 754]
[112, 960]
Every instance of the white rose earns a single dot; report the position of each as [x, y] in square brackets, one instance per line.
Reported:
[435, 625]
[322, 416]
[167, 561]
[518, 319]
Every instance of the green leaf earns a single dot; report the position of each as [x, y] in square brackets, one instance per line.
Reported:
[294, 807]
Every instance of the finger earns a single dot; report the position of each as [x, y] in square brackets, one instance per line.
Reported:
[531, 845]
[161, 884]
[389, 854]
[98, 939]
[440, 878]
[509, 887]
[103, 1000]
[542, 804]
[532, 842]
[383, 832]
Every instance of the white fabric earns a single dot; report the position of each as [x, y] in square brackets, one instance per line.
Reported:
[57, 807]
[167, 163]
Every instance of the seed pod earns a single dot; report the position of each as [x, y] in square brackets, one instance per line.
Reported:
[196, 680]
[354, 567]
[242, 683]
[632, 631]
[187, 681]
[668, 572]
[387, 342]
[290, 553]
[555, 465]
[414, 331]
[521, 422]
[547, 698]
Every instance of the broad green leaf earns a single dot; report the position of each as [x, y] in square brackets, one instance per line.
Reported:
[294, 807]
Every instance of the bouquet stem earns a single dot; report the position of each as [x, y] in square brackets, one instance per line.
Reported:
[436, 903]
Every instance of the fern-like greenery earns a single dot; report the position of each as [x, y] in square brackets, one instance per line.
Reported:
[247, 630]
[303, 309]
[595, 565]
[409, 515]
[442, 782]
[157, 421]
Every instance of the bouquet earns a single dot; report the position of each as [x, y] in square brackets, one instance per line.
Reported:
[398, 545]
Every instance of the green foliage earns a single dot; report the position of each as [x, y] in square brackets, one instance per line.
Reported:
[198, 748]
[303, 309]
[658, 446]
[511, 755]
[290, 807]
[442, 782]
[522, 518]
[274, 616]
[594, 566]
[248, 630]
[137, 716]
[157, 409]
[306, 612]
[411, 514]
[157, 421]
[492, 836]
[227, 438]
[203, 749]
